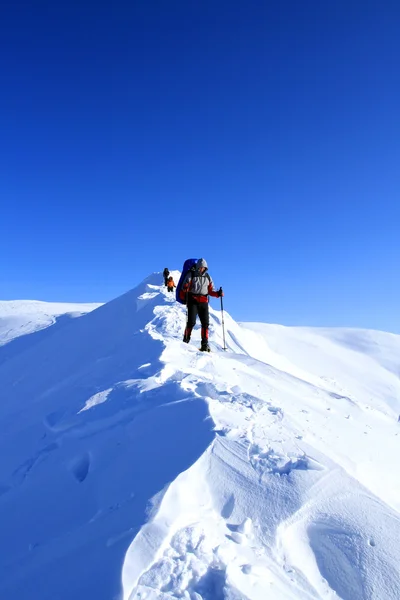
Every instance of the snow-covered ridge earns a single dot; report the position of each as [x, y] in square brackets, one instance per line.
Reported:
[21, 317]
[267, 471]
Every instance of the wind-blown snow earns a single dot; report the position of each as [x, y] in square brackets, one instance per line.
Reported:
[267, 471]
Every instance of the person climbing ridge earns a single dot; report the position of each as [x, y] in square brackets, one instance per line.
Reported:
[166, 275]
[171, 284]
[198, 286]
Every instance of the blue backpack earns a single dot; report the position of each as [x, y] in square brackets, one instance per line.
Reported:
[188, 264]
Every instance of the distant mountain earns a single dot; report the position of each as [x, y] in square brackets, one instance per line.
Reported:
[22, 317]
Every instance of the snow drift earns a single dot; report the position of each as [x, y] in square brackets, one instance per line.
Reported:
[133, 466]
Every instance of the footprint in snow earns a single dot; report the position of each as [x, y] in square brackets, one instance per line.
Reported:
[269, 461]
[51, 420]
[236, 537]
[80, 467]
[228, 507]
[244, 527]
[276, 410]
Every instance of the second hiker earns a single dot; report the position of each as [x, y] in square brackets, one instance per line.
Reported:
[198, 285]
[170, 284]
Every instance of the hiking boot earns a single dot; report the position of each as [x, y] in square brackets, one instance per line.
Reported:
[205, 347]
[186, 339]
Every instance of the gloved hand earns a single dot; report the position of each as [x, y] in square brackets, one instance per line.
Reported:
[220, 293]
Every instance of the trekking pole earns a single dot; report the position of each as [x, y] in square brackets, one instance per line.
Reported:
[223, 323]
[187, 310]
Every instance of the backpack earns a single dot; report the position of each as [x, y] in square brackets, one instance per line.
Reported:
[189, 264]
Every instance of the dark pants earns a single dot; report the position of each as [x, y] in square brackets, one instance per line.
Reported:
[170, 289]
[197, 308]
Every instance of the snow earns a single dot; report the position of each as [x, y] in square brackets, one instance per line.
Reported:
[21, 317]
[134, 467]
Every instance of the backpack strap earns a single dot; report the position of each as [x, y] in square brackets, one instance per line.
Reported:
[189, 276]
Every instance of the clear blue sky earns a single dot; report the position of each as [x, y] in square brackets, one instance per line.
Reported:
[263, 136]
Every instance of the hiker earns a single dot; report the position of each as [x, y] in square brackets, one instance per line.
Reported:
[171, 284]
[198, 285]
[165, 275]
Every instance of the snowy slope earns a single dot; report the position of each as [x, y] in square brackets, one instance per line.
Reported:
[267, 471]
[22, 317]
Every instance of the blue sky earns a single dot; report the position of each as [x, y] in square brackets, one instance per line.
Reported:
[263, 136]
